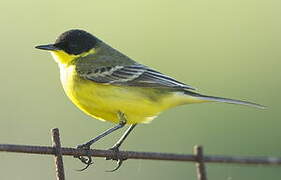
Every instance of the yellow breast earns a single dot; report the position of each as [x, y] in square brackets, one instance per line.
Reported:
[104, 101]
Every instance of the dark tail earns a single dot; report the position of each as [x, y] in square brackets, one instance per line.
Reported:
[224, 100]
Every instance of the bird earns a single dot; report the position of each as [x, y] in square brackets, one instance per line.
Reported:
[110, 86]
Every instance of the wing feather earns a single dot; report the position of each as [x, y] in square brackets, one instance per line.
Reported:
[134, 75]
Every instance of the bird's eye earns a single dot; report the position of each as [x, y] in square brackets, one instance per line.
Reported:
[59, 45]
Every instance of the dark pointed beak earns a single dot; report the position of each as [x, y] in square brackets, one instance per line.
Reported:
[48, 47]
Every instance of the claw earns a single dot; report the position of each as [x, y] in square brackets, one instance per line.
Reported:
[85, 160]
[116, 157]
[119, 163]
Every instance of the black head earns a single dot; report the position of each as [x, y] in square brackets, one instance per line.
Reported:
[72, 42]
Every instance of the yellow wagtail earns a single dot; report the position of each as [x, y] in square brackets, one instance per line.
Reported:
[108, 85]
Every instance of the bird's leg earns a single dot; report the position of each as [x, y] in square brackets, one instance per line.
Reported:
[116, 146]
[86, 146]
[124, 136]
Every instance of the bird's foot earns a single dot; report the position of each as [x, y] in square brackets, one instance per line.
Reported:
[116, 157]
[87, 160]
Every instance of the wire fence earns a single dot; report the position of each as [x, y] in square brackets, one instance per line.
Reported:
[198, 157]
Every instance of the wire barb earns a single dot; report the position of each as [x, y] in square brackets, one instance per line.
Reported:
[201, 170]
[58, 154]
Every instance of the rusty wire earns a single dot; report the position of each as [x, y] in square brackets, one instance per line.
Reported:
[66, 151]
[198, 156]
[58, 155]
[200, 166]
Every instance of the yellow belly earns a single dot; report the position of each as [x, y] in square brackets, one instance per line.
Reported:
[103, 101]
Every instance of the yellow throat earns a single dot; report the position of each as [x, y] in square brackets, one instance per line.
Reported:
[64, 58]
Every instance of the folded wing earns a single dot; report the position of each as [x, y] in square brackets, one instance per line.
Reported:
[134, 75]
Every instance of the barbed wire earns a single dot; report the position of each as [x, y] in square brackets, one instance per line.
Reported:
[197, 157]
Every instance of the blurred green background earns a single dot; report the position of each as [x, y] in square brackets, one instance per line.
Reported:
[226, 48]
